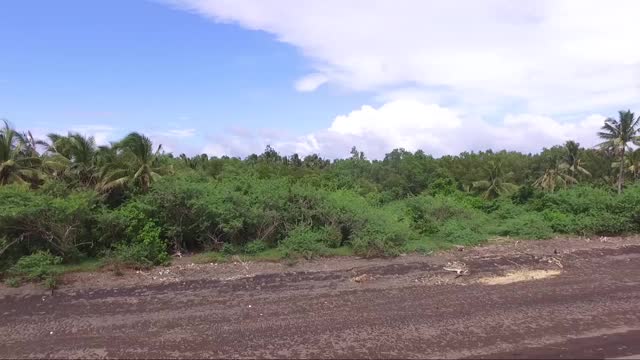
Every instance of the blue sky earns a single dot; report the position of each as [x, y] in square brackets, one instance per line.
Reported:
[230, 77]
[142, 65]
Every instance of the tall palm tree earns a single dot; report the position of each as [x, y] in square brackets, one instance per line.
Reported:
[618, 133]
[495, 183]
[15, 165]
[141, 163]
[572, 161]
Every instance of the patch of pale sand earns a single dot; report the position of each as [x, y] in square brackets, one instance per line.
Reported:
[518, 276]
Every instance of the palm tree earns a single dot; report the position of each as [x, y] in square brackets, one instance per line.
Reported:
[495, 184]
[31, 144]
[141, 164]
[634, 163]
[631, 163]
[78, 153]
[617, 135]
[196, 162]
[553, 177]
[572, 160]
[15, 165]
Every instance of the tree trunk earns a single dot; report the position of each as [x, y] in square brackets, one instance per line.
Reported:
[621, 176]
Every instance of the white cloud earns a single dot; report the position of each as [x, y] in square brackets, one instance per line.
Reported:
[101, 133]
[547, 56]
[178, 133]
[214, 150]
[442, 71]
[415, 125]
[310, 82]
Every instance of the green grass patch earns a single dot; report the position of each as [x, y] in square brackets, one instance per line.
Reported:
[340, 251]
[270, 255]
[84, 265]
[424, 246]
[210, 257]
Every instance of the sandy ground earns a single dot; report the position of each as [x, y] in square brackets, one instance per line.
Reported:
[562, 298]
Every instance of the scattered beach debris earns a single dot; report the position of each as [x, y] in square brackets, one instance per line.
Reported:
[362, 278]
[458, 267]
[518, 276]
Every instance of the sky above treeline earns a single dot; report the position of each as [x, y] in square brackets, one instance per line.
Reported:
[320, 76]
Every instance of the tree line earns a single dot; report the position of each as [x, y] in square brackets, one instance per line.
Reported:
[134, 162]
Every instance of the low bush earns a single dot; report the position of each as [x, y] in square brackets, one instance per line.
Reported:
[429, 213]
[135, 238]
[526, 226]
[602, 223]
[230, 249]
[303, 241]
[382, 234]
[577, 200]
[462, 232]
[145, 250]
[37, 221]
[38, 266]
[559, 222]
[525, 194]
[255, 247]
[504, 209]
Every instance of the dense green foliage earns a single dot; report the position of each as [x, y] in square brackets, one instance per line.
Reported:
[68, 199]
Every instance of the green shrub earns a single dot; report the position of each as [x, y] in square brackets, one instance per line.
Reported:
[381, 235]
[429, 213]
[526, 226]
[12, 282]
[171, 205]
[602, 223]
[305, 242]
[135, 238]
[50, 282]
[145, 250]
[577, 200]
[38, 266]
[230, 249]
[443, 186]
[234, 209]
[55, 188]
[469, 201]
[255, 247]
[524, 194]
[61, 225]
[462, 232]
[628, 205]
[560, 222]
[333, 237]
[505, 209]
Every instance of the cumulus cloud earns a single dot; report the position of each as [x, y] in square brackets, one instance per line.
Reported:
[545, 56]
[415, 125]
